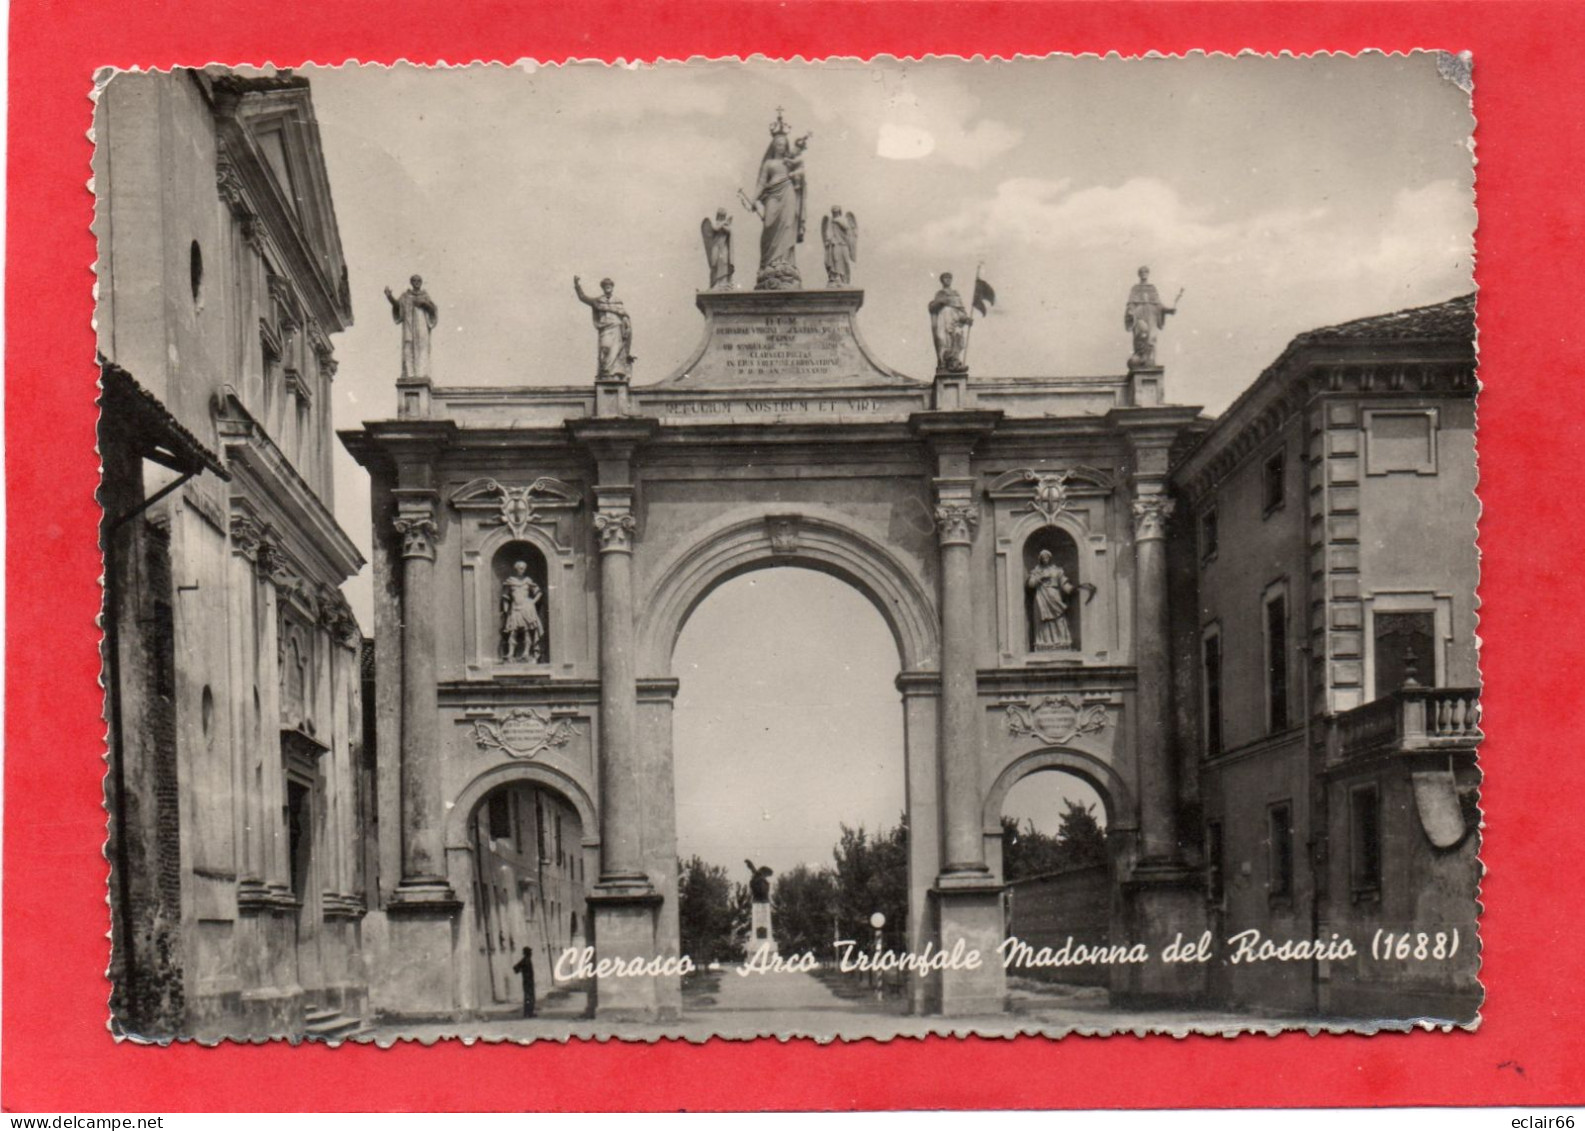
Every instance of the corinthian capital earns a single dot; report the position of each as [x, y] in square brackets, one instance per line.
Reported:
[956, 522]
[616, 531]
[1150, 516]
[418, 533]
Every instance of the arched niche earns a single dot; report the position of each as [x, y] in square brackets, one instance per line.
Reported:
[528, 606]
[1065, 632]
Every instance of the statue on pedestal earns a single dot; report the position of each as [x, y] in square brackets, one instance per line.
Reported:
[717, 235]
[762, 936]
[1144, 315]
[949, 326]
[522, 632]
[759, 882]
[417, 314]
[614, 332]
[779, 203]
[840, 231]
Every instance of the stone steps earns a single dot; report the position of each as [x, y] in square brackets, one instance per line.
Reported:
[333, 1026]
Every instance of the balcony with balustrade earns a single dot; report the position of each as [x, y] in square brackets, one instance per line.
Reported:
[1410, 720]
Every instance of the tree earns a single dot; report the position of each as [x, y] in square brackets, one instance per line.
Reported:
[871, 875]
[1079, 842]
[706, 912]
[1081, 835]
[804, 899]
[1027, 851]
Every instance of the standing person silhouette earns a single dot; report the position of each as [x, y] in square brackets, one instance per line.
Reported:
[525, 966]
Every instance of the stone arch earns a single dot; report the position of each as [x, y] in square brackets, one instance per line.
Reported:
[813, 538]
[1118, 799]
[506, 773]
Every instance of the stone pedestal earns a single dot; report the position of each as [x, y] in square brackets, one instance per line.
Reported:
[969, 910]
[1162, 904]
[761, 936]
[1145, 385]
[420, 959]
[624, 930]
[783, 340]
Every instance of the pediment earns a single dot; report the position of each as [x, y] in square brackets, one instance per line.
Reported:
[780, 340]
[271, 149]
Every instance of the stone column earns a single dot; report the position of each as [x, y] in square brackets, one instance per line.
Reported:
[423, 858]
[967, 896]
[624, 903]
[1158, 816]
[621, 817]
[957, 518]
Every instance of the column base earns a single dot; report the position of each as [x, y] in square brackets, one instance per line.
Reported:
[623, 914]
[969, 917]
[431, 896]
[421, 966]
[1163, 902]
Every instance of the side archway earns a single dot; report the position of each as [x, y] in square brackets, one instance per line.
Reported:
[1118, 799]
[533, 772]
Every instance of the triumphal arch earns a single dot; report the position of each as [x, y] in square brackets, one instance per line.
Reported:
[538, 550]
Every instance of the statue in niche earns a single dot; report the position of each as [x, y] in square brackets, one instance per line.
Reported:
[759, 882]
[417, 314]
[1051, 587]
[613, 331]
[949, 326]
[840, 232]
[717, 235]
[779, 203]
[1145, 315]
[522, 632]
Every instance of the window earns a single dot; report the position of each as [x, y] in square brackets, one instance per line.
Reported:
[195, 271]
[1272, 481]
[1405, 646]
[1215, 884]
[1279, 823]
[1211, 662]
[1277, 662]
[500, 817]
[1208, 534]
[1400, 441]
[1364, 841]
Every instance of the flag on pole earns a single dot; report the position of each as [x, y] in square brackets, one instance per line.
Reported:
[984, 296]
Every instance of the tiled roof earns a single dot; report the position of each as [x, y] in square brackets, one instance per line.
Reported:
[1453, 319]
[137, 413]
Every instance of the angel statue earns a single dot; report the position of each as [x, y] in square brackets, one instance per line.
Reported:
[840, 231]
[717, 235]
[759, 882]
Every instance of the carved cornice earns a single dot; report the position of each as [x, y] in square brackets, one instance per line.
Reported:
[518, 507]
[1150, 516]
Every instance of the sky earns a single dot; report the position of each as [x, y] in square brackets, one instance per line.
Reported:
[1277, 194]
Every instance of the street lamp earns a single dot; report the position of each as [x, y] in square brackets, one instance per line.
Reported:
[878, 921]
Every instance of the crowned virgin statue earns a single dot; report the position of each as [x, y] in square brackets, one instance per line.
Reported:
[779, 203]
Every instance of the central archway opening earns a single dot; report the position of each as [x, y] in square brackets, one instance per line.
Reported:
[788, 755]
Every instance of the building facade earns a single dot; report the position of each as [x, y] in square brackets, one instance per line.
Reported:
[232, 660]
[1329, 546]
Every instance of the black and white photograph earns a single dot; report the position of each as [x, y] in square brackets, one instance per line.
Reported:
[837, 549]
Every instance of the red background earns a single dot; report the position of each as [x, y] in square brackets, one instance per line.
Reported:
[1530, 1048]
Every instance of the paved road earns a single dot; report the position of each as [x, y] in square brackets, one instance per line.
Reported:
[782, 1005]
